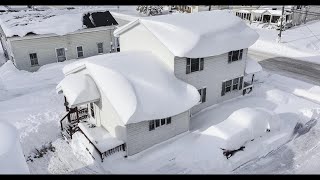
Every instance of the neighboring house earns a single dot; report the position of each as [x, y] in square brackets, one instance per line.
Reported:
[207, 50]
[133, 98]
[168, 69]
[193, 8]
[34, 38]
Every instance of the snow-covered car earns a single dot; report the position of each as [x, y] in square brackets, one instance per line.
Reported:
[242, 126]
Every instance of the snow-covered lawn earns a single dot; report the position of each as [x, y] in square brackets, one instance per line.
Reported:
[30, 103]
[300, 42]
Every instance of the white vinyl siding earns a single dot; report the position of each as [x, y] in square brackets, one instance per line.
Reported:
[140, 138]
[216, 70]
[46, 47]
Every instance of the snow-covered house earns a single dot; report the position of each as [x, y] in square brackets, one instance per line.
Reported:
[133, 99]
[206, 49]
[34, 38]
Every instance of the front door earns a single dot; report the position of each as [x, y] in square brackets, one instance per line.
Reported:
[61, 54]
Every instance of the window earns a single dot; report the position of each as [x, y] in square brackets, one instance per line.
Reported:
[100, 47]
[33, 59]
[235, 84]
[203, 94]
[61, 54]
[153, 124]
[194, 64]
[92, 110]
[231, 85]
[80, 51]
[235, 55]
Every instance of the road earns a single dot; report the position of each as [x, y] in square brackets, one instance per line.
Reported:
[297, 69]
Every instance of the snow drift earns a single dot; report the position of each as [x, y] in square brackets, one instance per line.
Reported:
[12, 160]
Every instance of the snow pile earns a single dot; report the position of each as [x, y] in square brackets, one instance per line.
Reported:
[241, 126]
[12, 160]
[139, 85]
[199, 34]
[78, 89]
[252, 66]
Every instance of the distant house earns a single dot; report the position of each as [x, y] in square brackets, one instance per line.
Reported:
[34, 38]
[168, 69]
[207, 50]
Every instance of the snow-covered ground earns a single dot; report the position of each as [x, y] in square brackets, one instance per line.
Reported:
[299, 42]
[30, 103]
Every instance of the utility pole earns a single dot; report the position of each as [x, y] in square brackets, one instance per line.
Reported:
[281, 24]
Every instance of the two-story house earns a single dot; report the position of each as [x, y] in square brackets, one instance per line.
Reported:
[207, 50]
[34, 38]
[169, 67]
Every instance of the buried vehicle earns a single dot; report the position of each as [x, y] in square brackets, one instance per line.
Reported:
[242, 126]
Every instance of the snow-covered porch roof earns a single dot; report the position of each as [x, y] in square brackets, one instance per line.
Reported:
[78, 89]
[252, 66]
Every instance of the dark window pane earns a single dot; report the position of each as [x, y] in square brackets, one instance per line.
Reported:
[223, 88]
[163, 121]
[194, 65]
[240, 56]
[241, 81]
[79, 48]
[204, 94]
[151, 125]
[235, 55]
[157, 123]
[169, 120]
[228, 89]
[80, 54]
[201, 63]
[92, 110]
[228, 83]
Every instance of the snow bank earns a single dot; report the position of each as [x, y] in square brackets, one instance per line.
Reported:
[199, 34]
[12, 160]
[241, 126]
[139, 85]
[78, 89]
[252, 66]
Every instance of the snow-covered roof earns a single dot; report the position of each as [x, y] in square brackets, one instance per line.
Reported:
[258, 11]
[200, 34]
[8, 137]
[252, 66]
[78, 89]
[243, 11]
[138, 84]
[52, 21]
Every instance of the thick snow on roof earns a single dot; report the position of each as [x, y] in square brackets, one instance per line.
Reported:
[252, 66]
[243, 11]
[11, 157]
[200, 34]
[79, 89]
[139, 85]
[50, 21]
[259, 11]
[242, 126]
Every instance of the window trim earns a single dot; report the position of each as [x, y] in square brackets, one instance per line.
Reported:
[189, 65]
[230, 55]
[153, 126]
[34, 65]
[80, 51]
[201, 97]
[65, 53]
[98, 47]
[239, 86]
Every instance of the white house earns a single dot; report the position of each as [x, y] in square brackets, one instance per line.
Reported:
[207, 50]
[134, 101]
[34, 38]
[168, 69]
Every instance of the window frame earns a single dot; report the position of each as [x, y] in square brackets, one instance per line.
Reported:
[231, 55]
[239, 85]
[65, 55]
[160, 122]
[92, 113]
[100, 48]
[189, 63]
[34, 59]
[80, 51]
[203, 96]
